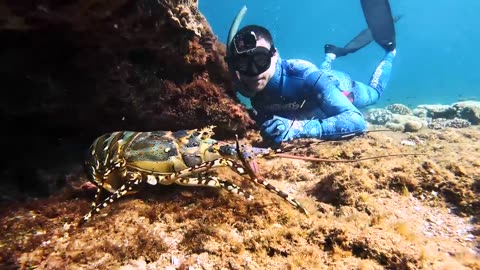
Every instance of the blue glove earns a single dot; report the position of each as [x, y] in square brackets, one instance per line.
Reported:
[279, 129]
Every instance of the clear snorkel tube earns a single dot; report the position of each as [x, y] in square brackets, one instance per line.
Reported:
[231, 33]
[234, 27]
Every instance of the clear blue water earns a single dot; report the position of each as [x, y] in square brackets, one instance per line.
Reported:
[437, 42]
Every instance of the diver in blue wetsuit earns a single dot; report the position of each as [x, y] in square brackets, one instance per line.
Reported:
[296, 99]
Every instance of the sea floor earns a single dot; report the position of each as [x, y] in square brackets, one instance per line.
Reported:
[396, 212]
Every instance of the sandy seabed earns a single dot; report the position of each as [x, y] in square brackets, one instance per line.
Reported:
[398, 212]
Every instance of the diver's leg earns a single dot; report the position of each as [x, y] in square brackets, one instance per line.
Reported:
[326, 65]
[381, 76]
[360, 94]
[365, 95]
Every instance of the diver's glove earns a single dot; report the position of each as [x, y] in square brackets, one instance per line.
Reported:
[279, 129]
[338, 51]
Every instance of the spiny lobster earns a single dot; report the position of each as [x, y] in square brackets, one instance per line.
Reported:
[119, 162]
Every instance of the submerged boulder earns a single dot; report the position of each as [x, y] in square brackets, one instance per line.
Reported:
[73, 70]
[439, 111]
[96, 66]
[469, 110]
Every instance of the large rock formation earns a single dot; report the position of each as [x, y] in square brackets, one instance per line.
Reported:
[72, 70]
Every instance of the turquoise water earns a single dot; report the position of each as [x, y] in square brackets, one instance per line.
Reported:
[437, 42]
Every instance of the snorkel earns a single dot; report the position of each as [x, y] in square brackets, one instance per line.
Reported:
[231, 33]
[234, 28]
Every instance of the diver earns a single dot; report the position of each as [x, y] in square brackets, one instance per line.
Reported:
[296, 99]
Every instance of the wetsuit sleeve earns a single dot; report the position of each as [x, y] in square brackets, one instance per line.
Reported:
[343, 119]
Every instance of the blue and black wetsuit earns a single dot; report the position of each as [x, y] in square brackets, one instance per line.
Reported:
[299, 90]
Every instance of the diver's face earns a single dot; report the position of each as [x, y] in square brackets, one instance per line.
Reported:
[257, 83]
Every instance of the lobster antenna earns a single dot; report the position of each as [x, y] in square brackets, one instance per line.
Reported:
[314, 159]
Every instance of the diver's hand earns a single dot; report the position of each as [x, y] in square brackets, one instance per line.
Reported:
[279, 129]
[338, 51]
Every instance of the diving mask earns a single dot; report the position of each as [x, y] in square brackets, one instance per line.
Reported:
[248, 59]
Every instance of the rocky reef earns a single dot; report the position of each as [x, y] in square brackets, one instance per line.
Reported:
[90, 66]
[397, 212]
[73, 70]
[399, 117]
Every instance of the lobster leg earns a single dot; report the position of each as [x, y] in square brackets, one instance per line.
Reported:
[207, 166]
[212, 181]
[265, 184]
[248, 162]
[241, 170]
[128, 186]
[95, 202]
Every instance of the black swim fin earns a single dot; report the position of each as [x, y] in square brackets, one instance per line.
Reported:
[380, 22]
[361, 40]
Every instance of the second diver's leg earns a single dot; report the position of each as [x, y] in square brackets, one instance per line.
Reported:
[326, 65]
[365, 95]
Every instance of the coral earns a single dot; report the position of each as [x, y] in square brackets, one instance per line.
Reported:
[399, 109]
[409, 123]
[378, 116]
[400, 118]
[420, 112]
[440, 123]
[184, 15]
[439, 111]
[468, 110]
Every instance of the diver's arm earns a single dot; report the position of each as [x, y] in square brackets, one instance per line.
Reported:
[343, 119]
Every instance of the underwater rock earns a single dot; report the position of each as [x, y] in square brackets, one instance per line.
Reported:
[397, 122]
[441, 123]
[412, 126]
[468, 110]
[409, 123]
[420, 112]
[395, 126]
[439, 111]
[399, 109]
[181, 15]
[437, 116]
[92, 66]
[378, 116]
[76, 69]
